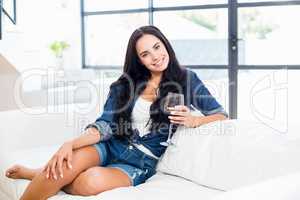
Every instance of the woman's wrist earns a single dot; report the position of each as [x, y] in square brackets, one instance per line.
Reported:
[70, 142]
[200, 120]
[197, 121]
[93, 131]
[89, 137]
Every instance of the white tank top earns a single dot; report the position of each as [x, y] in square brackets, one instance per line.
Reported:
[140, 118]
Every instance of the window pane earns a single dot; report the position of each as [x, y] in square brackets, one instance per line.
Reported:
[216, 80]
[170, 3]
[199, 37]
[100, 5]
[107, 37]
[8, 6]
[250, 1]
[269, 96]
[268, 37]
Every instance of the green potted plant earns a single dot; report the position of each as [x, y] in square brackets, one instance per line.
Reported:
[58, 48]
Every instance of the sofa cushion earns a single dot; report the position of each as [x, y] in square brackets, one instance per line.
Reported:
[286, 187]
[160, 186]
[230, 154]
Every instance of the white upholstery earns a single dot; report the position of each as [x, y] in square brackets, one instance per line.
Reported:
[159, 186]
[280, 188]
[32, 139]
[230, 154]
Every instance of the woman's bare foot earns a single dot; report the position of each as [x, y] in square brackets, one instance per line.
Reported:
[21, 172]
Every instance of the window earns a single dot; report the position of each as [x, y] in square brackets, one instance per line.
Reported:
[199, 37]
[219, 39]
[253, 1]
[216, 80]
[269, 38]
[107, 37]
[270, 97]
[171, 3]
[92, 5]
[8, 8]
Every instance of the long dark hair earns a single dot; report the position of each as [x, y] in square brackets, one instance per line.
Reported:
[133, 80]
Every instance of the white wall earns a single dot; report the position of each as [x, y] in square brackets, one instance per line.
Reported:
[8, 75]
[39, 23]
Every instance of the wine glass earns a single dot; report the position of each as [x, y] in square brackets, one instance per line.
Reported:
[172, 100]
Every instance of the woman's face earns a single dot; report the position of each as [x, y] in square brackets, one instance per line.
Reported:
[152, 53]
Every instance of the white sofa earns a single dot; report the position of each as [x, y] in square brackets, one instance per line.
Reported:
[31, 139]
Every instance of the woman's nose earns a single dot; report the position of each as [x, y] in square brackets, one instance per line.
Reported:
[155, 56]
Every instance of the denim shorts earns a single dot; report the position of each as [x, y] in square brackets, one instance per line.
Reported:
[126, 157]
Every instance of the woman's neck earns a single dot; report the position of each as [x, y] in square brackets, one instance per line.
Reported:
[155, 79]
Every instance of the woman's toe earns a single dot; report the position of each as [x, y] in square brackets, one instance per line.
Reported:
[11, 171]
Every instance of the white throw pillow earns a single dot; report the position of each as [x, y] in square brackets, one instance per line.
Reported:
[229, 154]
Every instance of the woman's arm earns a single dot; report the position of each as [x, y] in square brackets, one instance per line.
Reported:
[201, 120]
[65, 152]
[201, 98]
[182, 115]
[104, 126]
[98, 131]
[90, 136]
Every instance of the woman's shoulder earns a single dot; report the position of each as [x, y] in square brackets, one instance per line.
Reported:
[191, 72]
[116, 87]
[191, 75]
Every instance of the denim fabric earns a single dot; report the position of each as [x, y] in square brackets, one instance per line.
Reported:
[195, 94]
[126, 157]
[198, 95]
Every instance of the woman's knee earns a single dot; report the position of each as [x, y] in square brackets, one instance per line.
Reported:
[96, 180]
[67, 178]
[83, 159]
[87, 183]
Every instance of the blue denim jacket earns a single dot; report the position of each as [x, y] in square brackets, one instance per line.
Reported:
[195, 94]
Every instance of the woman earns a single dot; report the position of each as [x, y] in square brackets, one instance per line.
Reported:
[122, 147]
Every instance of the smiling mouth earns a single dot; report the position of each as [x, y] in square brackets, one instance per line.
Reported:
[159, 63]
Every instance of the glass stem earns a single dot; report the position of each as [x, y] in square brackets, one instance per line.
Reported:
[170, 132]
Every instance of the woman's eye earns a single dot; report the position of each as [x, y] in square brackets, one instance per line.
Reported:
[144, 55]
[157, 47]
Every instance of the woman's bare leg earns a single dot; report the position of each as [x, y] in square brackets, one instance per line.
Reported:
[96, 180]
[22, 172]
[42, 188]
[89, 182]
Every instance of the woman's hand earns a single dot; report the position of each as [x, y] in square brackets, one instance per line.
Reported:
[181, 115]
[56, 162]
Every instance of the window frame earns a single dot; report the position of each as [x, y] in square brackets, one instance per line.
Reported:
[233, 67]
[11, 16]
